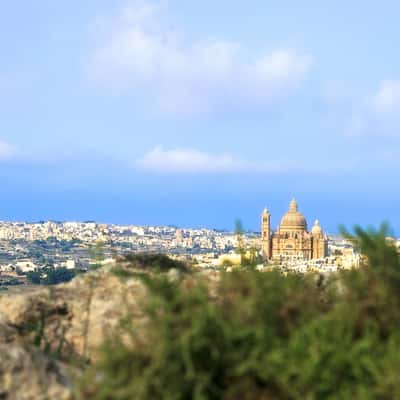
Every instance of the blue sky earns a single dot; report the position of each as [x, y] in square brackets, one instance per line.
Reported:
[197, 113]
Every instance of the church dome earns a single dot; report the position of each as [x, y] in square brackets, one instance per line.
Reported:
[316, 229]
[293, 220]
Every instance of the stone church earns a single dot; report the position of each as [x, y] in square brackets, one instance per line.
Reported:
[292, 241]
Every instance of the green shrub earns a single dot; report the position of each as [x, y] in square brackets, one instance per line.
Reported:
[50, 276]
[34, 277]
[261, 336]
[153, 262]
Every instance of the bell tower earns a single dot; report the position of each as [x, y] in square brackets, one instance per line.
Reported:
[266, 235]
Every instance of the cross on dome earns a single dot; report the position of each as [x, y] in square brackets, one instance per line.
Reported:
[293, 205]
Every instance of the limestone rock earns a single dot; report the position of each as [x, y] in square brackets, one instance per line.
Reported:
[72, 319]
[27, 374]
[7, 334]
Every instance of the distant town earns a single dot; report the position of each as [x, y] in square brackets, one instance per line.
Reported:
[27, 247]
[78, 246]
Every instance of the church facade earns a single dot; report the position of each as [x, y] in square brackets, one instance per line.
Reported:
[292, 241]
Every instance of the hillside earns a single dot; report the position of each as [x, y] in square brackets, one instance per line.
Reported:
[162, 333]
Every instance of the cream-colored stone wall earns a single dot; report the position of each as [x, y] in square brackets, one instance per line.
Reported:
[294, 245]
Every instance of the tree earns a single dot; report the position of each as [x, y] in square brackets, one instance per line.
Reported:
[34, 277]
[248, 256]
[50, 276]
[55, 276]
[240, 248]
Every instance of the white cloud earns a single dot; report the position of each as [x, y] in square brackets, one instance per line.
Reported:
[380, 113]
[137, 52]
[387, 99]
[6, 151]
[193, 161]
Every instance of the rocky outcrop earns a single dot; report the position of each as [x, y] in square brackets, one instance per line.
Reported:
[27, 374]
[42, 329]
[7, 334]
[73, 319]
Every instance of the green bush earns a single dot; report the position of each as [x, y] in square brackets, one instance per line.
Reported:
[34, 277]
[55, 276]
[50, 276]
[261, 336]
[153, 262]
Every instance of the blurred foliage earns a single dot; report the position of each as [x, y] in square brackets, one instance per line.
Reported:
[97, 255]
[260, 335]
[249, 257]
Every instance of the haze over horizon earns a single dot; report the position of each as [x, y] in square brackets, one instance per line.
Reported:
[169, 112]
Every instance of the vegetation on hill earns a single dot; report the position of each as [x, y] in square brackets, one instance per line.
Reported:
[141, 264]
[154, 262]
[256, 335]
[50, 276]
